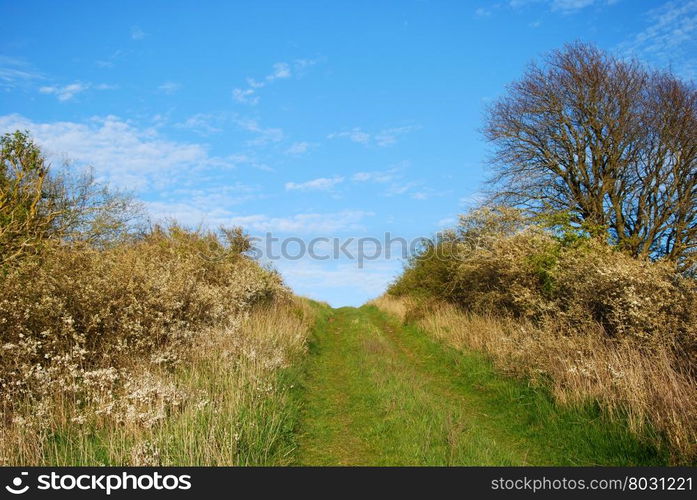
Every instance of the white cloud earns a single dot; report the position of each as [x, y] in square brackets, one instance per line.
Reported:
[280, 71]
[188, 214]
[670, 38]
[14, 72]
[202, 123]
[249, 95]
[472, 200]
[563, 6]
[354, 135]
[246, 96]
[299, 65]
[169, 88]
[137, 33]
[390, 136]
[383, 138]
[66, 92]
[109, 62]
[263, 135]
[400, 188]
[309, 223]
[119, 151]
[255, 84]
[421, 195]
[446, 222]
[324, 282]
[207, 206]
[320, 184]
[379, 176]
[396, 184]
[571, 5]
[298, 148]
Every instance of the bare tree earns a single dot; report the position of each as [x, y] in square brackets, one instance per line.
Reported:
[38, 206]
[606, 141]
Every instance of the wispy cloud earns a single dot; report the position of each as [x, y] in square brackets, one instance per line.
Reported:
[109, 61]
[203, 123]
[379, 176]
[320, 184]
[263, 135]
[299, 148]
[208, 206]
[423, 194]
[399, 188]
[390, 136]
[67, 92]
[121, 152]
[396, 184]
[319, 280]
[14, 72]
[669, 39]
[249, 95]
[562, 6]
[280, 71]
[354, 135]
[571, 5]
[446, 222]
[472, 200]
[137, 33]
[382, 138]
[482, 12]
[246, 96]
[169, 88]
[306, 223]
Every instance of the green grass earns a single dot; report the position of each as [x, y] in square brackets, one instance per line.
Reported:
[380, 393]
[371, 392]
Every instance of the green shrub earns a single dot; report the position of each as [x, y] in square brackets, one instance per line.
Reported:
[494, 262]
[77, 308]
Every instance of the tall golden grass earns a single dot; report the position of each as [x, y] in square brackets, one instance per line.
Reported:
[647, 388]
[123, 345]
[228, 401]
[165, 349]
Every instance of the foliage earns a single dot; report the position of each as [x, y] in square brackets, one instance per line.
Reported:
[39, 206]
[115, 339]
[490, 266]
[606, 141]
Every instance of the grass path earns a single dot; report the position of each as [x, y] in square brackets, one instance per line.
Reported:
[379, 393]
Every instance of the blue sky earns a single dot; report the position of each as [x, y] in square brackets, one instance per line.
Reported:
[303, 119]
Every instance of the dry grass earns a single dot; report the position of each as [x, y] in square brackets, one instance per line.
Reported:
[165, 349]
[76, 310]
[392, 305]
[121, 345]
[644, 387]
[227, 402]
[497, 262]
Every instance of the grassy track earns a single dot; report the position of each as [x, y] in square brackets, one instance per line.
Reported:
[379, 393]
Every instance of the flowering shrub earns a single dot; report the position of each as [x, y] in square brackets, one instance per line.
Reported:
[493, 263]
[590, 320]
[70, 316]
[132, 347]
